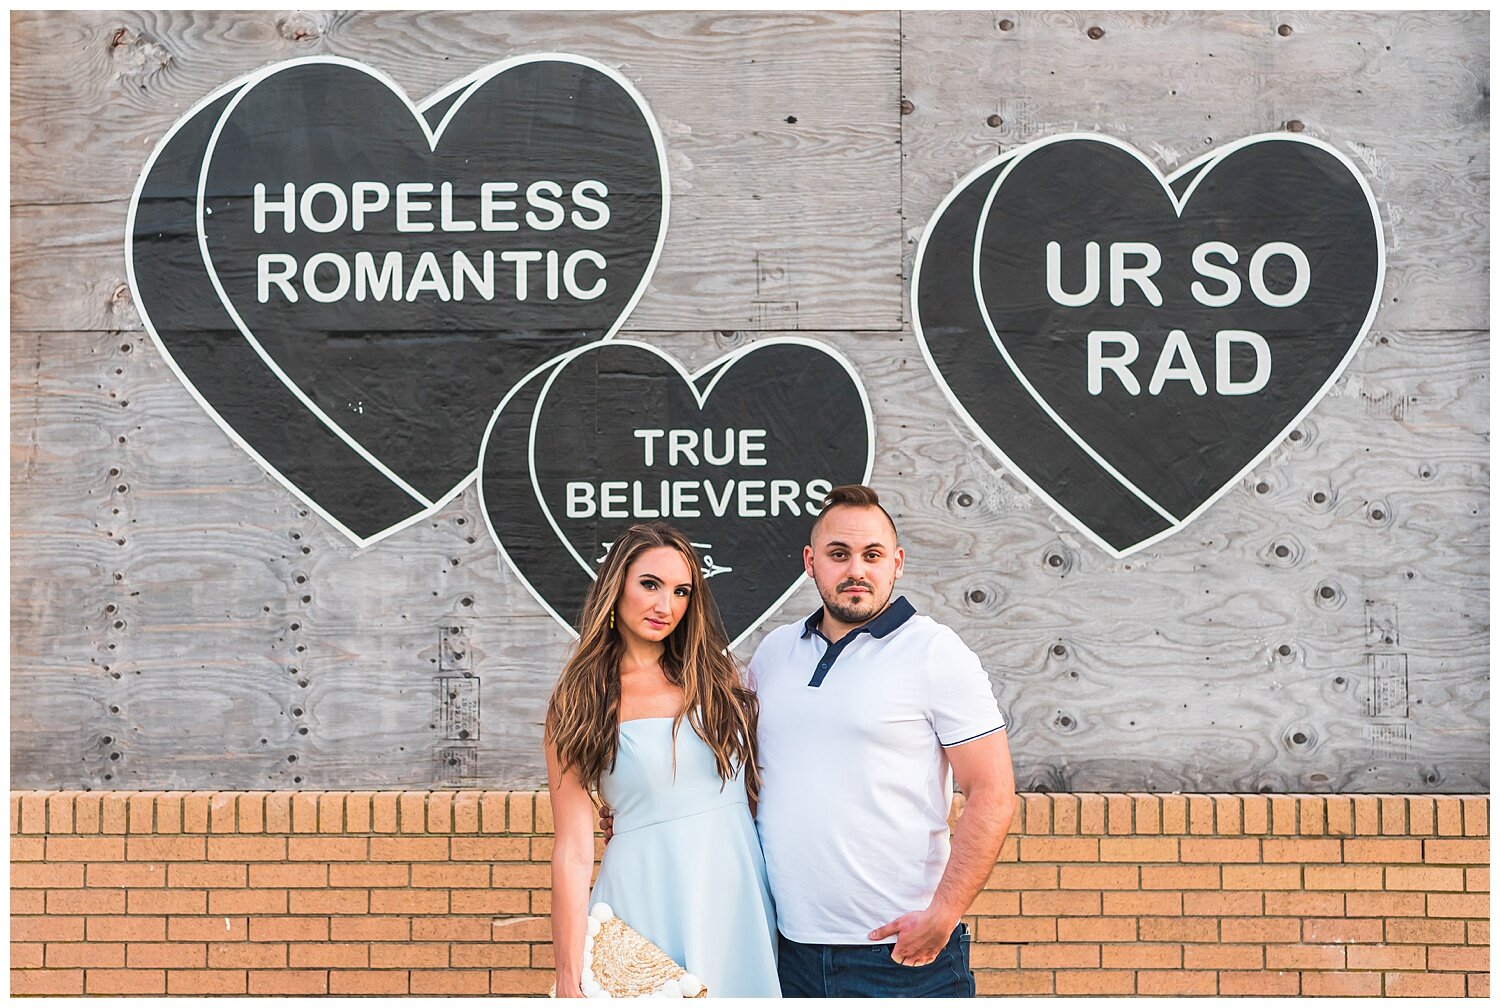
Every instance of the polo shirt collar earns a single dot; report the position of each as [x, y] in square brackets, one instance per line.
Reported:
[895, 614]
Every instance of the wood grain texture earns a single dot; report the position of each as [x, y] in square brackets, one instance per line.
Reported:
[175, 606]
[785, 191]
[1404, 95]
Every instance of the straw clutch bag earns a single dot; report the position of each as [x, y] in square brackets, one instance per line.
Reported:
[619, 962]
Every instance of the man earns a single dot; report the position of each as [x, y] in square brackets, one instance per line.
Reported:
[868, 715]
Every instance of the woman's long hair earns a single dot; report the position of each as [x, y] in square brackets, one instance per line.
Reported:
[583, 713]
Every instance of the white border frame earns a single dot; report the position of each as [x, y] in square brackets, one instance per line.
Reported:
[723, 365]
[468, 83]
[1206, 163]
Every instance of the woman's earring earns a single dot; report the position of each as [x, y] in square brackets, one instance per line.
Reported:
[611, 619]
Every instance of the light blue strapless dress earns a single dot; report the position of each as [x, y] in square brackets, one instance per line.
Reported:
[684, 867]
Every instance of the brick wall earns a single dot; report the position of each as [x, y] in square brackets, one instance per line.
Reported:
[446, 892]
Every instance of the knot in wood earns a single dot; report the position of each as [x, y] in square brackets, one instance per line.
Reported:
[1096, 33]
[299, 28]
[907, 108]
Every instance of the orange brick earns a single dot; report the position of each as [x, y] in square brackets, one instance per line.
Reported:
[329, 901]
[288, 929]
[368, 982]
[1304, 904]
[450, 981]
[991, 956]
[1302, 851]
[85, 955]
[1434, 852]
[28, 848]
[1401, 878]
[1479, 985]
[411, 811]
[1366, 815]
[125, 981]
[1335, 929]
[1420, 819]
[369, 929]
[42, 875]
[1180, 877]
[466, 812]
[440, 812]
[141, 812]
[395, 901]
[288, 876]
[1179, 929]
[85, 901]
[327, 848]
[486, 848]
[1449, 811]
[169, 817]
[512, 901]
[46, 929]
[1099, 877]
[221, 813]
[993, 984]
[1424, 985]
[33, 812]
[1059, 903]
[1438, 905]
[1393, 815]
[490, 956]
[205, 929]
[113, 806]
[1091, 814]
[409, 955]
[521, 981]
[86, 813]
[305, 811]
[60, 811]
[986, 904]
[1259, 982]
[87, 848]
[1477, 879]
[1283, 815]
[165, 955]
[1217, 851]
[1130, 903]
[1218, 957]
[331, 812]
[1467, 958]
[1065, 814]
[211, 875]
[1137, 956]
[1243, 903]
[34, 901]
[206, 982]
[1095, 982]
[384, 812]
[308, 955]
[1384, 904]
[120, 874]
[278, 812]
[165, 902]
[1341, 984]
[450, 876]
[26, 955]
[369, 875]
[1019, 929]
[246, 848]
[522, 929]
[158, 848]
[1139, 850]
[1338, 815]
[458, 929]
[1478, 932]
[245, 955]
[1406, 930]
[1059, 956]
[1200, 815]
[289, 982]
[409, 849]
[1175, 982]
[128, 929]
[1228, 814]
[1059, 848]
[1262, 930]
[1311, 815]
[357, 808]
[1034, 814]
[1383, 851]
[1174, 814]
[521, 876]
[1022, 876]
[195, 807]
[1305, 957]
[235, 902]
[1387, 957]
[1346, 877]
[1147, 813]
[492, 812]
[47, 981]
[543, 812]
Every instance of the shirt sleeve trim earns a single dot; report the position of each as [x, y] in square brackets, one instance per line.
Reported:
[971, 738]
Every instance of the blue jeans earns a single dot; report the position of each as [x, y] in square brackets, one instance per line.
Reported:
[869, 970]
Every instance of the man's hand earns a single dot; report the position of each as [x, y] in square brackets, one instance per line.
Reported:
[920, 935]
[607, 822]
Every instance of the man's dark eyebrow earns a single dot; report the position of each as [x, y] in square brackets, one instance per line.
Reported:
[843, 545]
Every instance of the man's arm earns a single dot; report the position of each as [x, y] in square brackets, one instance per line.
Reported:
[982, 771]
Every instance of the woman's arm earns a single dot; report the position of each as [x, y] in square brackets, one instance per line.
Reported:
[572, 870]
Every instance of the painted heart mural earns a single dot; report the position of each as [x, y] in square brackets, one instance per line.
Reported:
[738, 456]
[348, 282]
[1133, 343]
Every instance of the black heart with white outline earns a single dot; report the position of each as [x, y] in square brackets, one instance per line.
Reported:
[738, 456]
[1172, 329]
[397, 388]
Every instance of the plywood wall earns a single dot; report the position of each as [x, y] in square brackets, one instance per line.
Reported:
[180, 621]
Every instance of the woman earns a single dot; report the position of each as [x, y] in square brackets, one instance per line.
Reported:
[651, 713]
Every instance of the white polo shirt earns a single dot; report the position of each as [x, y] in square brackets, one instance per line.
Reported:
[853, 812]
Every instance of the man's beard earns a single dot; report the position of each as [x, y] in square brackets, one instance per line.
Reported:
[856, 613]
